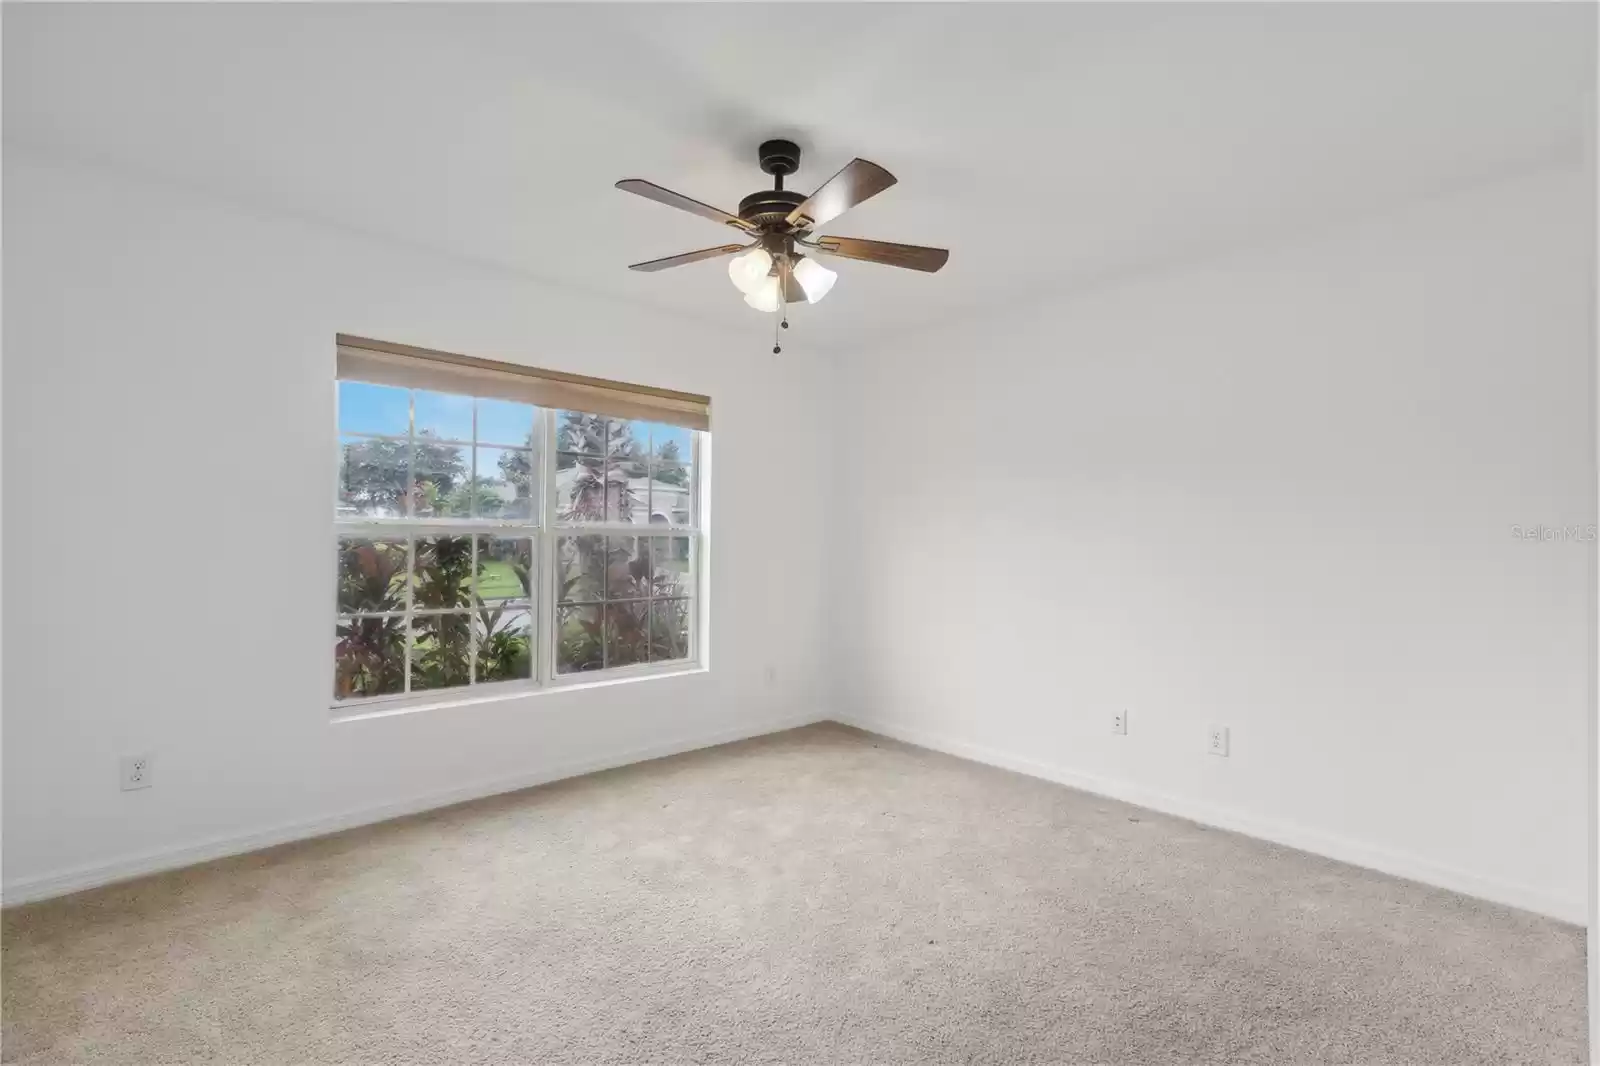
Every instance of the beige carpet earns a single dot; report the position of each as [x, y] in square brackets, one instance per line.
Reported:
[820, 896]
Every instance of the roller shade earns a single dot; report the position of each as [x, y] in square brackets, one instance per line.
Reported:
[382, 363]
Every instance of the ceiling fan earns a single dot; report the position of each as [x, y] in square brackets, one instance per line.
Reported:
[777, 223]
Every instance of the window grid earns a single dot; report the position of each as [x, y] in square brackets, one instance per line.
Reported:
[539, 609]
[561, 528]
[650, 599]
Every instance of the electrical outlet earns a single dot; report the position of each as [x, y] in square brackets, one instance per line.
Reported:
[1119, 723]
[770, 675]
[1217, 740]
[136, 770]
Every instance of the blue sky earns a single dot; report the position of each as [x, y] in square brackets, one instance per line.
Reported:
[365, 408]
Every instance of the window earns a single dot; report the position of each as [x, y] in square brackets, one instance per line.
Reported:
[492, 532]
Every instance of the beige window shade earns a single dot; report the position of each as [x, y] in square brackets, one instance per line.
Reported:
[382, 363]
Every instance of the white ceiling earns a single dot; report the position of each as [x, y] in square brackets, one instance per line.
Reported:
[1047, 146]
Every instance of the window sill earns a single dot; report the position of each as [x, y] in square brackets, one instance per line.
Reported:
[387, 706]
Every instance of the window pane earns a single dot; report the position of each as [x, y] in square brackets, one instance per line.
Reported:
[442, 572]
[440, 475]
[580, 488]
[369, 657]
[669, 630]
[627, 633]
[621, 600]
[627, 491]
[627, 568]
[580, 433]
[671, 498]
[372, 477]
[505, 644]
[504, 422]
[441, 649]
[444, 416]
[578, 639]
[672, 566]
[367, 408]
[504, 483]
[669, 443]
[505, 569]
[580, 568]
[629, 440]
[372, 575]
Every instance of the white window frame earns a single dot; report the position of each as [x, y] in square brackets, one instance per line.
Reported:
[558, 529]
[544, 530]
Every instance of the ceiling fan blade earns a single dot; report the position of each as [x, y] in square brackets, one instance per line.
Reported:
[910, 256]
[858, 181]
[651, 191]
[689, 257]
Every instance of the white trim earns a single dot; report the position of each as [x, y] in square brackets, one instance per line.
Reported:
[549, 558]
[439, 699]
[513, 605]
[452, 442]
[614, 674]
[700, 639]
[433, 699]
[622, 529]
[477, 603]
[1591, 162]
[77, 879]
[1303, 838]
[367, 527]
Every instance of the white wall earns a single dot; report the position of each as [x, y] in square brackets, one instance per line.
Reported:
[168, 448]
[1274, 492]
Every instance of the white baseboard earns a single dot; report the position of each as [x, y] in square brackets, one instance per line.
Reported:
[1398, 864]
[28, 890]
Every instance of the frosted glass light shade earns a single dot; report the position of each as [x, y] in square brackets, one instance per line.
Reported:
[764, 297]
[749, 271]
[814, 278]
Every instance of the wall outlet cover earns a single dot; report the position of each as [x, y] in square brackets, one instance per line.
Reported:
[1217, 740]
[1119, 723]
[136, 771]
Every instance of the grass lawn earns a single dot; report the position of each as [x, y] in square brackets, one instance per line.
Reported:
[498, 581]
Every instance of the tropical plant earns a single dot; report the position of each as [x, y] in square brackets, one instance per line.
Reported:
[580, 643]
[606, 457]
[504, 652]
[369, 653]
[369, 657]
[504, 648]
[669, 629]
[627, 633]
[441, 654]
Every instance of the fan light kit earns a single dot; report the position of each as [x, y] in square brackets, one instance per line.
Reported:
[771, 271]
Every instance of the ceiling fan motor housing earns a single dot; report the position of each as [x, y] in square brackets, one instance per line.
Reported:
[770, 207]
[779, 157]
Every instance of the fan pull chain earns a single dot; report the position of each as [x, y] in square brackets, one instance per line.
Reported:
[783, 304]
